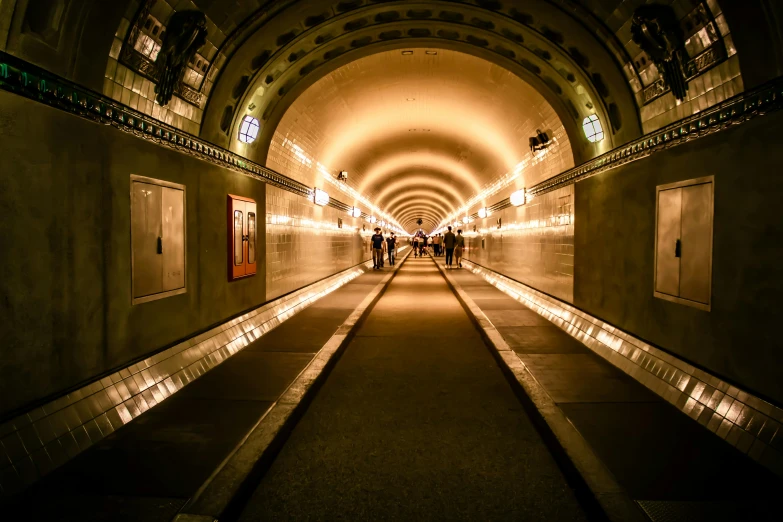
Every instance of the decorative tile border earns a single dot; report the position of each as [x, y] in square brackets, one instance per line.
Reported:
[745, 421]
[43, 439]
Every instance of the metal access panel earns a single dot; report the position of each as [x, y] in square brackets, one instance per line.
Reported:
[242, 237]
[683, 242]
[158, 239]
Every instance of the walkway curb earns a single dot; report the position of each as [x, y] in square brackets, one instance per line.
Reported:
[610, 497]
[222, 495]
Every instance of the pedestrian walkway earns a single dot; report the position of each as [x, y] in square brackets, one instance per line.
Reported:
[147, 470]
[415, 422]
[672, 466]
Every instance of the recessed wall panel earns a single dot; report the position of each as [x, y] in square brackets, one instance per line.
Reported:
[146, 231]
[696, 269]
[667, 272]
[173, 241]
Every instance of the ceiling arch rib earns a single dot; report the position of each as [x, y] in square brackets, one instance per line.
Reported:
[453, 165]
[414, 195]
[537, 43]
[436, 185]
[421, 213]
[433, 208]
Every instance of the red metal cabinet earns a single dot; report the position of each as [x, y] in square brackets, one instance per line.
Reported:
[242, 237]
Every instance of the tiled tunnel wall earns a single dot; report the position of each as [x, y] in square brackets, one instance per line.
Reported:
[304, 243]
[614, 240]
[66, 314]
[533, 244]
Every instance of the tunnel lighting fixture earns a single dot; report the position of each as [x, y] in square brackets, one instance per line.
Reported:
[372, 219]
[482, 212]
[410, 99]
[518, 198]
[342, 176]
[356, 212]
[431, 53]
[321, 197]
[248, 131]
[407, 53]
[594, 131]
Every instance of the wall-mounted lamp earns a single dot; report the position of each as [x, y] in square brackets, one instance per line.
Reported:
[594, 131]
[372, 219]
[518, 198]
[482, 212]
[321, 198]
[356, 212]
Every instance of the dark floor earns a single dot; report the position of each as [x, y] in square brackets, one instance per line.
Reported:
[415, 422]
[676, 468]
[147, 470]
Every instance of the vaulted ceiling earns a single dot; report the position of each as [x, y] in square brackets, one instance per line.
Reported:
[419, 131]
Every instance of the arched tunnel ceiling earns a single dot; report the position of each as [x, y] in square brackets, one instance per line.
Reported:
[559, 47]
[419, 131]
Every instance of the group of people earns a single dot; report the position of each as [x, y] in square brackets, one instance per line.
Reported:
[381, 246]
[448, 244]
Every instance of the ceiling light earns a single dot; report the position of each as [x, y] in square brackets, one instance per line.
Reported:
[410, 99]
[431, 53]
[407, 53]
[518, 198]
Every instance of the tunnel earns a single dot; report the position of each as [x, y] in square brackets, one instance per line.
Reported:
[390, 260]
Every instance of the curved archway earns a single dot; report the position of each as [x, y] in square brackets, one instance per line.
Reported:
[576, 70]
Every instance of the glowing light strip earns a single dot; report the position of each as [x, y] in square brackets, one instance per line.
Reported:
[498, 185]
[372, 209]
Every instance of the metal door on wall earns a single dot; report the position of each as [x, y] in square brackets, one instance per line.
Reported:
[242, 237]
[157, 239]
[683, 249]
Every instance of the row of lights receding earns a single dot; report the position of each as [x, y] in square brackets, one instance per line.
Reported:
[429, 53]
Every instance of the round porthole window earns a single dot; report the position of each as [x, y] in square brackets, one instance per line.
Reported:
[593, 129]
[248, 131]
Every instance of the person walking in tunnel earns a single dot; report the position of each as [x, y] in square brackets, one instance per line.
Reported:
[423, 246]
[460, 248]
[449, 241]
[391, 246]
[415, 246]
[436, 245]
[377, 249]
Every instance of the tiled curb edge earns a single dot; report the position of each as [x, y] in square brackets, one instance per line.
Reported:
[616, 505]
[747, 422]
[37, 442]
[224, 492]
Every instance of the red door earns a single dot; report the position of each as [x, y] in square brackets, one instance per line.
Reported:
[242, 237]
